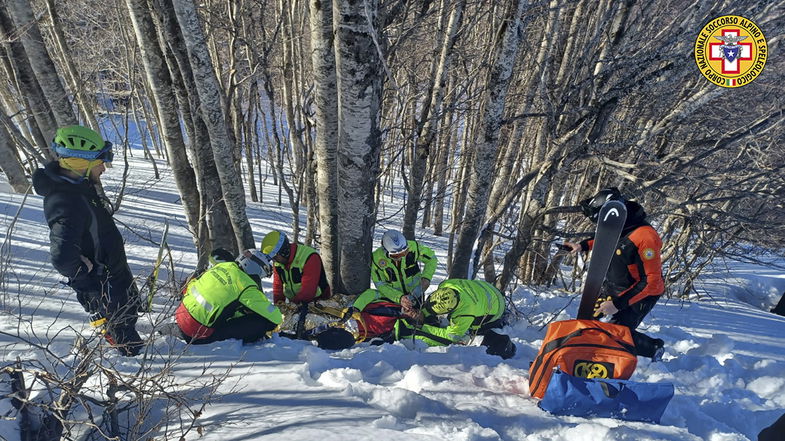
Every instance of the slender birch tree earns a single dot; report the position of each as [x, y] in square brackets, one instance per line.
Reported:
[161, 87]
[21, 12]
[358, 73]
[326, 143]
[212, 110]
[428, 123]
[486, 143]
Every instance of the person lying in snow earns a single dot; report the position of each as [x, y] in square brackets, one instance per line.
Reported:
[375, 313]
[472, 307]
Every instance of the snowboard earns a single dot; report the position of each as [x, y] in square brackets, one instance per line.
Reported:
[610, 223]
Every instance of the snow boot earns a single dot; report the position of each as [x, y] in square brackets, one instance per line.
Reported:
[498, 344]
[335, 338]
[659, 350]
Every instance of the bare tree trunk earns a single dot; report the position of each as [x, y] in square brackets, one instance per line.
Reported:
[459, 190]
[358, 73]
[21, 12]
[429, 121]
[72, 76]
[442, 174]
[482, 176]
[162, 89]
[22, 142]
[9, 163]
[212, 110]
[214, 223]
[27, 83]
[326, 144]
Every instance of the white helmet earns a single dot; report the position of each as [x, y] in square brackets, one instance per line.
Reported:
[255, 263]
[394, 242]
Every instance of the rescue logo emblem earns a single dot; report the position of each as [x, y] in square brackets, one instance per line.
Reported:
[731, 51]
[648, 254]
[593, 369]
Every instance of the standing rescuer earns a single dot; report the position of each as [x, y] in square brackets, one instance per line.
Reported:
[85, 244]
[634, 281]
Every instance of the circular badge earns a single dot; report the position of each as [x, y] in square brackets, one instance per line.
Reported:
[731, 51]
[649, 254]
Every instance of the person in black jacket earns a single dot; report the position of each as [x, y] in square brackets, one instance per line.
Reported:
[85, 244]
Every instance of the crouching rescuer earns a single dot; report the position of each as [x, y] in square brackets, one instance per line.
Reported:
[227, 301]
[471, 307]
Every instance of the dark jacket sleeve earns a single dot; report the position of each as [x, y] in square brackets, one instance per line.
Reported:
[66, 231]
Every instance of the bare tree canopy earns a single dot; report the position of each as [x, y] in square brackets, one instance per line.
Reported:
[495, 117]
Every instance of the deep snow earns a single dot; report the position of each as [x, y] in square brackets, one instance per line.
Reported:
[724, 353]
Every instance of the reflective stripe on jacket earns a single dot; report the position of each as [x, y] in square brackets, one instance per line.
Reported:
[394, 280]
[225, 291]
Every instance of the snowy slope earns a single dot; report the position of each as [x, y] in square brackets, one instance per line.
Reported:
[725, 354]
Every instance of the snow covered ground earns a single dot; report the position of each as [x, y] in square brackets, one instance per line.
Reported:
[725, 354]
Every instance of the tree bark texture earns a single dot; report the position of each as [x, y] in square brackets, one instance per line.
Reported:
[21, 71]
[9, 163]
[212, 110]
[21, 12]
[481, 178]
[428, 122]
[359, 82]
[326, 143]
[160, 83]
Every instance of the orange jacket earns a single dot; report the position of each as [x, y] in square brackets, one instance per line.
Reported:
[635, 271]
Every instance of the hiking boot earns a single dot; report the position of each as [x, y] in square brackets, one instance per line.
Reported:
[659, 350]
[126, 340]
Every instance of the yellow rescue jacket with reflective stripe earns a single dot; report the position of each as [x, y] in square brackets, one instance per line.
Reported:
[225, 291]
[394, 280]
[479, 303]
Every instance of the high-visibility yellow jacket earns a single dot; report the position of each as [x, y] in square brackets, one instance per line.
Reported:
[396, 279]
[225, 291]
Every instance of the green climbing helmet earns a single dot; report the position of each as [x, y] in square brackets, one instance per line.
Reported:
[442, 301]
[275, 243]
[81, 142]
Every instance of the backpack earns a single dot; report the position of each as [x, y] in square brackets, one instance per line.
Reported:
[626, 400]
[583, 348]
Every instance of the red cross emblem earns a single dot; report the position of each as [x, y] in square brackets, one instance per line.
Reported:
[730, 67]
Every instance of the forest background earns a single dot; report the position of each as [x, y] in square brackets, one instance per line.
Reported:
[489, 119]
[497, 117]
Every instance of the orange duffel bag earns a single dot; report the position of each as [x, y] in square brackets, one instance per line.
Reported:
[583, 348]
